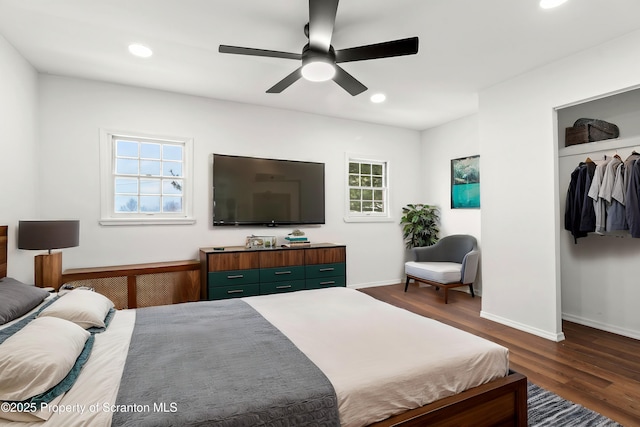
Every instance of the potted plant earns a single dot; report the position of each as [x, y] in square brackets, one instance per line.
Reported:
[420, 225]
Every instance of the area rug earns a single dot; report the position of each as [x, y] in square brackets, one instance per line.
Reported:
[549, 409]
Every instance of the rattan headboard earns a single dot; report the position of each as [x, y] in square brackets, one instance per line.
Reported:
[3, 251]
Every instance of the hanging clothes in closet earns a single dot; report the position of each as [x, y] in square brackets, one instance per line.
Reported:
[579, 215]
[632, 195]
[604, 197]
[595, 191]
[612, 214]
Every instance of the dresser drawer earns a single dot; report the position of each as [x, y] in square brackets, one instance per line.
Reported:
[233, 261]
[326, 282]
[325, 270]
[233, 277]
[223, 292]
[277, 287]
[279, 258]
[325, 255]
[281, 273]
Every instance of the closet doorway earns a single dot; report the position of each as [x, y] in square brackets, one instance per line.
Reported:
[600, 272]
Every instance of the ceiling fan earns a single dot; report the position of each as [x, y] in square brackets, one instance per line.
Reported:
[320, 59]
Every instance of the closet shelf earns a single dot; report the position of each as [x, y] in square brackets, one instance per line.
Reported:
[606, 145]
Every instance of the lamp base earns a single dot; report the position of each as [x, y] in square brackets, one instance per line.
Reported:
[48, 270]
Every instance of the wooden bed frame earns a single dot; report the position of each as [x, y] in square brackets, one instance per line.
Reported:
[502, 402]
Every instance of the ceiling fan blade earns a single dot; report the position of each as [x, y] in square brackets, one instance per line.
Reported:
[379, 50]
[348, 82]
[322, 18]
[286, 82]
[258, 52]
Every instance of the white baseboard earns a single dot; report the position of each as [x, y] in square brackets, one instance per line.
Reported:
[522, 327]
[602, 326]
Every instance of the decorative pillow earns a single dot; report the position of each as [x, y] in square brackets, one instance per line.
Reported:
[11, 328]
[17, 299]
[85, 308]
[38, 357]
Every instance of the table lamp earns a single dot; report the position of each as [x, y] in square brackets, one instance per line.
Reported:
[41, 235]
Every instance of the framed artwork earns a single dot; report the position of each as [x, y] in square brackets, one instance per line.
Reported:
[465, 183]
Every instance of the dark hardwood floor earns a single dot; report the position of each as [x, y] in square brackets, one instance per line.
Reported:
[596, 369]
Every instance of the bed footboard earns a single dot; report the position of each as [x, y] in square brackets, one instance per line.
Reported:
[502, 402]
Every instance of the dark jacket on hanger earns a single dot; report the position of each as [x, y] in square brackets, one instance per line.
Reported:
[574, 202]
[633, 199]
[587, 211]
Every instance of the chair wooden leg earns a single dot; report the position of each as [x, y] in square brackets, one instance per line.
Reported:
[446, 295]
[406, 285]
[471, 289]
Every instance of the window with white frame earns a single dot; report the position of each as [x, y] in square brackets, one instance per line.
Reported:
[145, 179]
[367, 189]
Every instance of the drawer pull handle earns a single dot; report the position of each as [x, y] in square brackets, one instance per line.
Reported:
[237, 291]
[327, 269]
[331, 282]
[282, 272]
[237, 276]
[284, 287]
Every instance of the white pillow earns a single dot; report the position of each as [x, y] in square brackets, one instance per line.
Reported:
[38, 357]
[83, 307]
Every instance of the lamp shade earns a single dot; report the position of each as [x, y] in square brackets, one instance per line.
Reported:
[49, 235]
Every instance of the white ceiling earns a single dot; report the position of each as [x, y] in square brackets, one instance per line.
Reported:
[465, 46]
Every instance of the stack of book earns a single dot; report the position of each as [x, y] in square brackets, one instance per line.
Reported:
[295, 241]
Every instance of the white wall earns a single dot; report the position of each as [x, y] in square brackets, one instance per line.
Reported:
[521, 217]
[18, 152]
[459, 138]
[72, 112]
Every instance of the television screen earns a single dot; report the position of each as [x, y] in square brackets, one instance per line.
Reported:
[254, 191]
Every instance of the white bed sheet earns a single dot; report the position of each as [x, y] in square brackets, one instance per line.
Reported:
[381, 360]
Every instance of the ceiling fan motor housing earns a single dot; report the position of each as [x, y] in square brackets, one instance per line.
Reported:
[318, 66]
[310, 55]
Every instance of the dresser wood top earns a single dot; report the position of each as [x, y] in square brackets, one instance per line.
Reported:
[244, 249]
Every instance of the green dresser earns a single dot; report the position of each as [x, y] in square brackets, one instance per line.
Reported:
[222, 292]
[281, 279]
[239, 272]
[325, 275]
[234, 283]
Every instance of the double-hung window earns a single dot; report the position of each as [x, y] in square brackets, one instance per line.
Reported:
[145, 180]
[367, 189]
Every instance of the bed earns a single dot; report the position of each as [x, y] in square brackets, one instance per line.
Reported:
[324, 357]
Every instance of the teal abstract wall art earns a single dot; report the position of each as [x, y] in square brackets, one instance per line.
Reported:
[465, 183]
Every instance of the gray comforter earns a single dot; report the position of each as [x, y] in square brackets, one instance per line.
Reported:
[218, 363]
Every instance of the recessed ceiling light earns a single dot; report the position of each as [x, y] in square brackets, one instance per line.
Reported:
[548, 4]
[378, 98]
[140, 50]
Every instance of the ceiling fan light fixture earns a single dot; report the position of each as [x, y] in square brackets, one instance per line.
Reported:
[318, 71]
[550, 4]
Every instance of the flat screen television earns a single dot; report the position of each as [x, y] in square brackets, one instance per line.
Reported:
[257, 191]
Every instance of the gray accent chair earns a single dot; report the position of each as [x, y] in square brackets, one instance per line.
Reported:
[450, 263]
